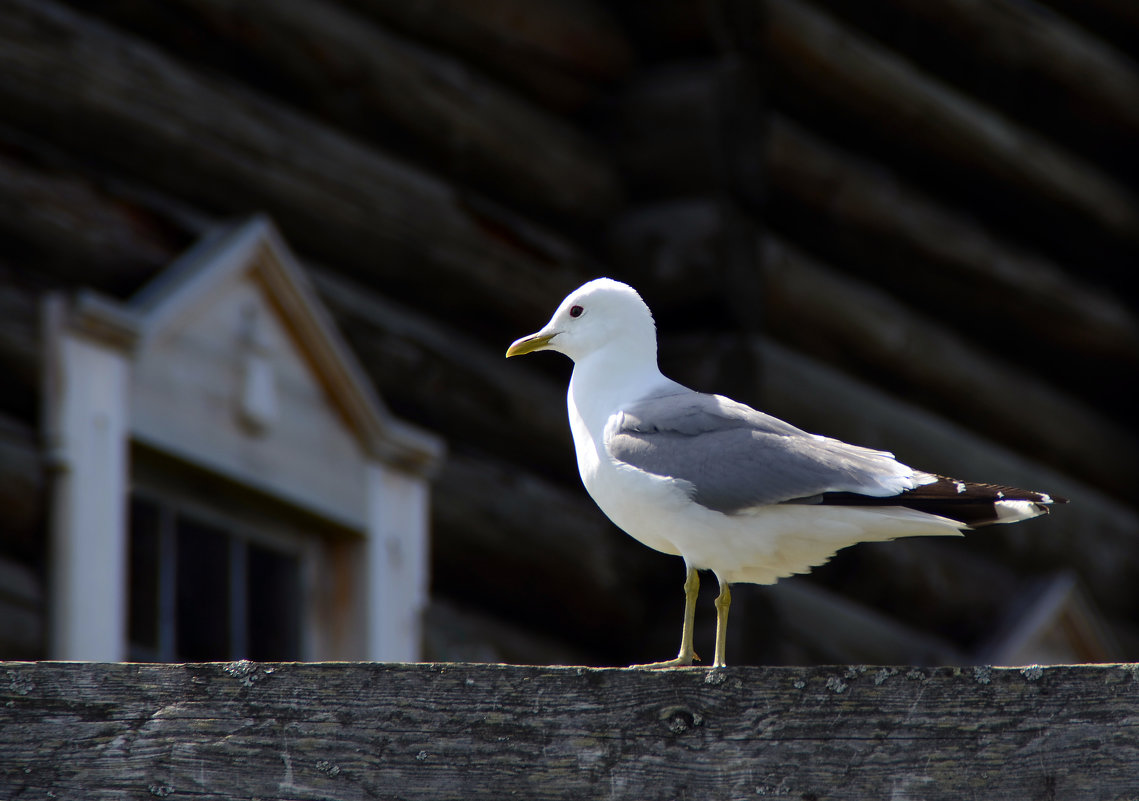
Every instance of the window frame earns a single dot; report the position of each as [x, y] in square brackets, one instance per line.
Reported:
[245, 519]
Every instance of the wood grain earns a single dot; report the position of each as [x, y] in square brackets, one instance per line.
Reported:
[381, 731]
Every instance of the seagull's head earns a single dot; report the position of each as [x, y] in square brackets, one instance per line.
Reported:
[594, 316]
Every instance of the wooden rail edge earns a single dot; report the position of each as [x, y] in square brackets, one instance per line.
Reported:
[435, 731]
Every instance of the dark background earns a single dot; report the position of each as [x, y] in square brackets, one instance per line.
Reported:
[911, 225]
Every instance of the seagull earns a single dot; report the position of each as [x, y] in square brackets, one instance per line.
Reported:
[727, 488]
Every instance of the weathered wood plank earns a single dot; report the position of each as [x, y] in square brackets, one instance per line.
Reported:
[376, 84]
[113, 98]
[356, 731]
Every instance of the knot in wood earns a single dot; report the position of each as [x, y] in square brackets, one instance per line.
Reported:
[679, 720]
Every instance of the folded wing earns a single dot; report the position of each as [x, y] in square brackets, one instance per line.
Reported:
[731, 458]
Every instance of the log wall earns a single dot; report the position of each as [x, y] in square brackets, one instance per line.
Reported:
[910, 227]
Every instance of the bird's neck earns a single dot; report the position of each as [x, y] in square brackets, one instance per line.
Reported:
[611, 378]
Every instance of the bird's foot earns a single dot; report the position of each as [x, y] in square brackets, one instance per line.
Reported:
[682, 660]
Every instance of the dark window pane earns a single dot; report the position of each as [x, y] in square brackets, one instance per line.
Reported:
[142, 580]
[202, 609]
[273, 602]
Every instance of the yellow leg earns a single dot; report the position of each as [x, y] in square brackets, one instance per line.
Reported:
[691, 592]
[687, 654]
[723, 602]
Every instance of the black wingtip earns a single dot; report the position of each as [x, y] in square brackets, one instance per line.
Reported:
[970, 503]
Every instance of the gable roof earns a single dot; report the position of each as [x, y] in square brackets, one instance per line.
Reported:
[255, 249]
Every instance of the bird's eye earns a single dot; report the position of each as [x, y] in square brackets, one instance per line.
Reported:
[575, 311]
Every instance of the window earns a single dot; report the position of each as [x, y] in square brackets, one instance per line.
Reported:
[206, 589]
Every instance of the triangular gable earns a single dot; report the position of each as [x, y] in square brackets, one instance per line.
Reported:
[237, 368]
[256, 248]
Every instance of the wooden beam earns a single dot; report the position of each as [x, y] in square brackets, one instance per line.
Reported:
[555, 50]
[373, 83]
[110, 97]
[354, 731]
[841, 67]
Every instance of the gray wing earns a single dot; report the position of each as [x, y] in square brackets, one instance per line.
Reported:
[731, 457]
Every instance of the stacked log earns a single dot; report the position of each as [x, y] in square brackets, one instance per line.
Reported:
[1033, 62]
[438, 169]
[497, 515]
[850, 72]
[85, 86]
[372, 82]
[554, 50]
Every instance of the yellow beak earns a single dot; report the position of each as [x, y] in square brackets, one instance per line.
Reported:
[529, 344]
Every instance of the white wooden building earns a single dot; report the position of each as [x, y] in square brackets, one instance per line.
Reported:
[225, 482]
